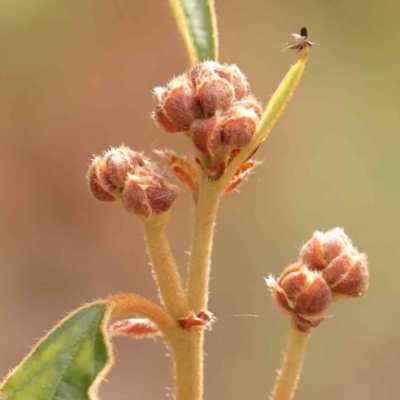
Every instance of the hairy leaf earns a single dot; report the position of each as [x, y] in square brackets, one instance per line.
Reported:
[66, 362]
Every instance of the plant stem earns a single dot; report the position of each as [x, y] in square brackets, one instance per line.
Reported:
[164, 267]
[187, 348]
[200, 256]
[288, 376]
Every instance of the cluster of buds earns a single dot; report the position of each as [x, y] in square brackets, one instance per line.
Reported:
[122, 174]
[329, 266]
[212, 103]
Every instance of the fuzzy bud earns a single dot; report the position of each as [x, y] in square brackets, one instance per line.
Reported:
[215, 93]
[348, 274]
[206, 135]
[322, 248]
[119, 162]
[308, 291]
[108, 172]
[148, 193]
[238, 126]
[96, 188]
[229, 73]
[177, 105]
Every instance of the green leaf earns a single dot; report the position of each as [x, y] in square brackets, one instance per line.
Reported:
[275, 108]
[66, 362]
[197, 24]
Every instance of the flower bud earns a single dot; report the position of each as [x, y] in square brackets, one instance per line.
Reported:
[239, 82]
[96, 188]
[229, 73]
[206, 135]
[348, 274]
[308, 291]
[147, 193]
[322, 248]
[177, 105]
[119, 162]
[164, 123]
[214, 94]
[238, 126]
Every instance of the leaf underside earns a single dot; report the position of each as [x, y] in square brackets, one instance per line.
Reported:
[64, 365]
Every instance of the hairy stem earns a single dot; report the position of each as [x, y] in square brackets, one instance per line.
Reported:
[164, 267]
[187, 349]
[288, 376]
[200, 256]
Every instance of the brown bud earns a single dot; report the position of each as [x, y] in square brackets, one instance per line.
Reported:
[147, 193]
[308, 291]
[96, 189]
[238, 126]
[206, 135]
[164, 123]
[322, 248]
[178, 103]
[239, 82]
[348, 274]
[229, 73]
[119, 162]
[311, 254]
[214, 94]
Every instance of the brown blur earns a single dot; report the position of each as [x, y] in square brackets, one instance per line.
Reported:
[76, 77]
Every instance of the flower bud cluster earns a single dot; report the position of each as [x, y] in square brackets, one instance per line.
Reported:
[213, 104]
[126, 175]
[328, 264]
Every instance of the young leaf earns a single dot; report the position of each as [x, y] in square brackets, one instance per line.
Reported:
[197, 24]
[68, 363]
[275, 108]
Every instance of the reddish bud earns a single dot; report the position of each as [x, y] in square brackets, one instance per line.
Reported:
[311, 254]
[300, 292]
[206, 135]
[238, 126]
[348, 274]
[322, 248]
[96, 189]
[178, 103]
[119, 162]
[307, 290]
[336, 242]
[147, 193]
[164, 123]
[239, 82]
[215, 94]
[229, 73]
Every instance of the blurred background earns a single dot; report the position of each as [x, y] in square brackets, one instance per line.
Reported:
[76, 78]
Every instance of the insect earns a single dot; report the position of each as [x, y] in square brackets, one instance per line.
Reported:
[300, 43]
